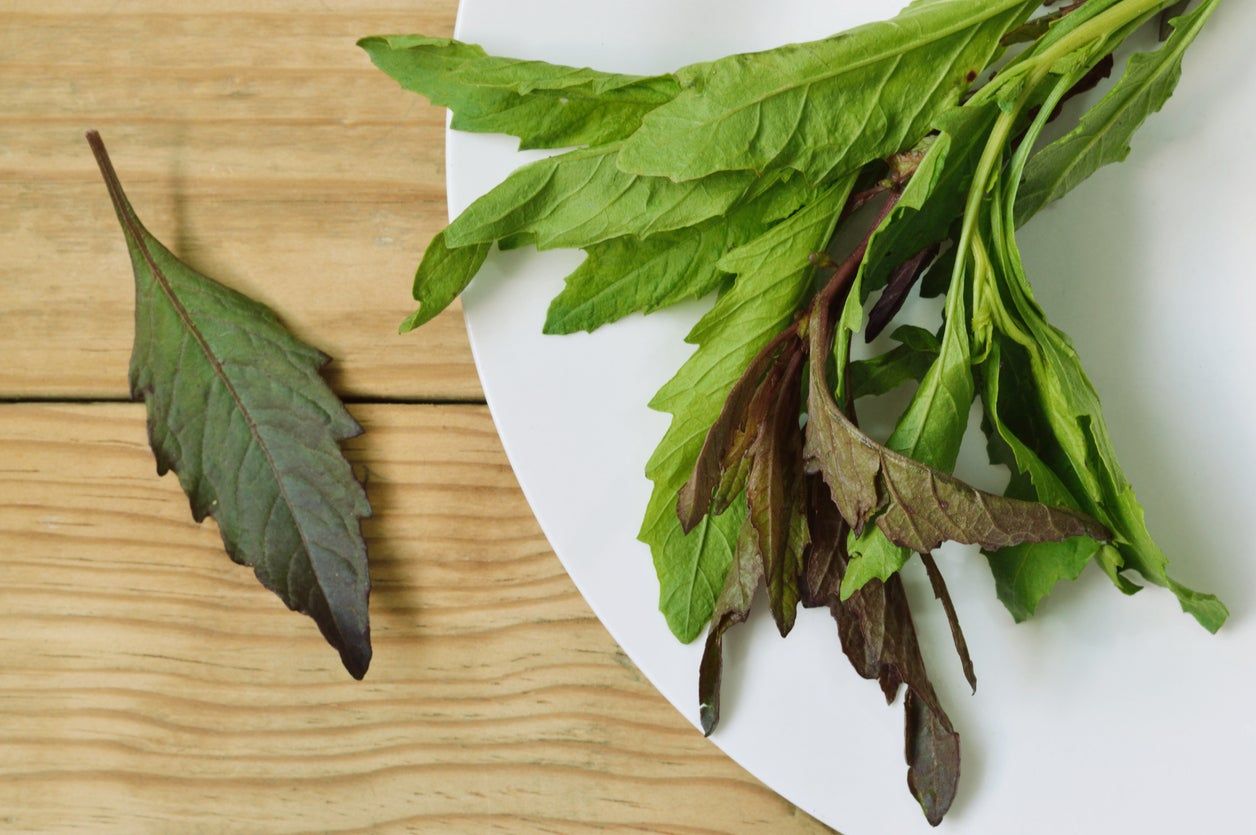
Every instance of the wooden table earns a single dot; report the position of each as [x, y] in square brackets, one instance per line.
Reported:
[146, 682]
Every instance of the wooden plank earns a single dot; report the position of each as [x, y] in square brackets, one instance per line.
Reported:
[149, 684]
[259, 144]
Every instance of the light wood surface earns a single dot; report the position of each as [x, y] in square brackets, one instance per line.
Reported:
[148, 684]
[259, 143]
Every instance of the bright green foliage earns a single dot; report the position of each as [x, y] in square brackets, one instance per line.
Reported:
[727, 177]
[545, 105]
[1103, 135]
[581, 198]
[630, 275]
[773, 280]
[825, 107]
[442, 276]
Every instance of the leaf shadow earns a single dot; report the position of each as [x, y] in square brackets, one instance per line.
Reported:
[394, 570]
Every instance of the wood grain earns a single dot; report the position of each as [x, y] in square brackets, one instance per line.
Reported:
[147, 683]
[151, 685]
[259, 144]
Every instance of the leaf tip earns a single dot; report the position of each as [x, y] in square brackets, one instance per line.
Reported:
[357, 660]
[353, 645]
[555, 326]
[411, 322]
[710, 716]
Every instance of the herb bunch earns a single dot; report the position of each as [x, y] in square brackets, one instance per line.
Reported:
[734, 178]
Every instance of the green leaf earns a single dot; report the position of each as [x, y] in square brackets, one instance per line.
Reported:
[630, 275]
[872, 557]
[745, 577]
[1073, 410]
[825, 107]
[930, 432]
[545, 105]
[1103, 135]
[580, 198]
[774, 279]
[1025, 574]
[934, 197]
[442, 276]
[908, 361]
[1075, 431]
[237, 408]
[932, 428]
[923, 216]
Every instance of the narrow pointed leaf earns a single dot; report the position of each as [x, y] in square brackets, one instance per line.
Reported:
[745, 576]
[734, 432]
[545, 105]
[774, 276]
[826, 107]
[630, 274]
[879, 638]
[774, 491]
[940, 591]
[442, 276]
[1104, 133]
[580, 198]
[237, 408]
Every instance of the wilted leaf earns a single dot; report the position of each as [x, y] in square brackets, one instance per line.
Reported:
[940, 591]
[879, 638]
[774, 491]
[916, 507]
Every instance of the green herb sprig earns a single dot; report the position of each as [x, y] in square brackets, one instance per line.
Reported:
[734, 177]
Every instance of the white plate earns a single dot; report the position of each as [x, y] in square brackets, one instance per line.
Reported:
[1104, 714]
